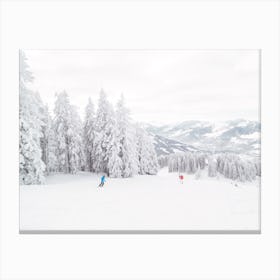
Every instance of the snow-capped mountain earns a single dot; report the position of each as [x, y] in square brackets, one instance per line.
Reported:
[239, 136]
[165, 146]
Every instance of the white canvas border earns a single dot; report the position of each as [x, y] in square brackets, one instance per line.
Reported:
[157, 25]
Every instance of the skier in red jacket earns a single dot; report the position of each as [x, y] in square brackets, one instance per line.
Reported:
[181, 177]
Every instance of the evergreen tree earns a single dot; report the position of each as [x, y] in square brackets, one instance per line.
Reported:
[31, 166]
[75, 141]
[147, 158]
[68, 131]
[48, 143]
[163, 161]
[114, 160]
[62, 118]
[212, 166]
[106, 148]
[89, 135]
[126, 139]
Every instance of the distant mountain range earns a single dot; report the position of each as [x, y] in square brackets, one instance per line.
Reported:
[165, 146]
[238, 136]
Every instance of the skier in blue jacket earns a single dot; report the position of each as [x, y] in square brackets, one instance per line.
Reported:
[102, 181]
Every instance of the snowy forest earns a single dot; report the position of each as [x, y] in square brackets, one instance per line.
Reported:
[104, 141]
[229, 165]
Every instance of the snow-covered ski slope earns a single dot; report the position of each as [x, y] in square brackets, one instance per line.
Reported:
[161, 202]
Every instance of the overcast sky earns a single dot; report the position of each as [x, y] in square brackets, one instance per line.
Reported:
[159, 86]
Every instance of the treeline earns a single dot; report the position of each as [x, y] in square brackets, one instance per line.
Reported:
[105, 141]
[229, 165]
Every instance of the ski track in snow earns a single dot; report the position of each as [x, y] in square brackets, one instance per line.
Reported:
[161, 202]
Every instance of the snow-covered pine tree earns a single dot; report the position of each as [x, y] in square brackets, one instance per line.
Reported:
[172, 163]
[201, 158]
[48, 143]
[68, 132]
[44, 138]
[192, 163]
[226, 170]
[212, 166]
[257, 163]
[181, 159]
[75, 142]
[31, 166]
[127, 140]
[147, 158]
[62, 118]
[198, 173]
[114, 160]
[52, 160]
[102, 118]
[163, 161]
[234, 171]
[89, 135]
[106, 148]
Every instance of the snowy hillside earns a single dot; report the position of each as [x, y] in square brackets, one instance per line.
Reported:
[239, 136]
[143, 202]
[165, 146]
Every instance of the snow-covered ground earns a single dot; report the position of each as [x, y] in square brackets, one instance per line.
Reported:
[161, 202]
